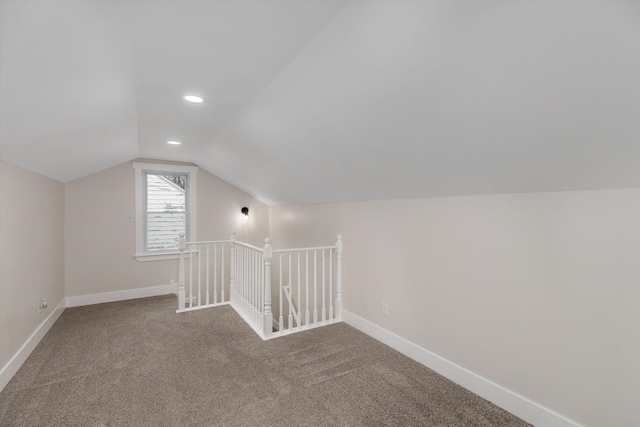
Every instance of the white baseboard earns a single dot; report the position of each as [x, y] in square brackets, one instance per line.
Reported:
[248, 321]
[10, 369]
[91, 299]
[507, 400]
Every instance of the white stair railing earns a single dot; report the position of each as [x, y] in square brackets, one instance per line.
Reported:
[309, 284]
[249, 298]
[221, 272]
[205, 282]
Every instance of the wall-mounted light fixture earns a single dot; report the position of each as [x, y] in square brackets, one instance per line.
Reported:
[245, 212]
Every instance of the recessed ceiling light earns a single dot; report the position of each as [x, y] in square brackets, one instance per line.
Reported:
[193, 98]
[174, 142]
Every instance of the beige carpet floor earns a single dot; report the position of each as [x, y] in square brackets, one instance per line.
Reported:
[138, 363]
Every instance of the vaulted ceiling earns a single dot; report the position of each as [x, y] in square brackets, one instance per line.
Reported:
[329, 101]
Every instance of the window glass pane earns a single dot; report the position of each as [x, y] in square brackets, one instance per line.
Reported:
[165, 210]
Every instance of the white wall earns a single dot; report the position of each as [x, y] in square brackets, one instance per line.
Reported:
[219, 205]
[538, 293]
[31, 254]
[100, 243]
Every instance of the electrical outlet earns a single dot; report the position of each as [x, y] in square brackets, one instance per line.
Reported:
[385, 309]
[42, 304]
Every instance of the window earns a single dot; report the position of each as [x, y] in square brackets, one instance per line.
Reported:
[164, 208]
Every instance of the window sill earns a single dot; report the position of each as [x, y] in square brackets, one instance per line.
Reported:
[166, 256]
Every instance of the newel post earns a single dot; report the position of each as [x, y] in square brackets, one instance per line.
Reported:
[267, 321]
[232, 273]
[181, 297]
[339, 278]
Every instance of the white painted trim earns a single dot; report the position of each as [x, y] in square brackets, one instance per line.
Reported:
[10, 369]
[157, 257]
[518, 405]
[249, 322]
[202, 307]
[163, 256]
[90, 299]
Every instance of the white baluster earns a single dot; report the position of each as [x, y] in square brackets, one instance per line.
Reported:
[267, 324]
[280, 319]
[239, 268]
[232, 273]
[245, 278]
[299, 297]
[240, 255]
[222, 274]
[259, 300]
[215, 273]
[330, 285]
[206, 284]
[199, 275]
[247, 269]
[315, 287]
[306, 315]
[191, 276]
[290, 295]
[257, 265]
[260, 288]
[181, 245]
[258, 284]
[254, 286]
[339, 278]
[324, 310]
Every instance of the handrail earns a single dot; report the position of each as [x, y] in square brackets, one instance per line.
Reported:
[246, 245]
[211, 242]
[208, 242]
[317, 248]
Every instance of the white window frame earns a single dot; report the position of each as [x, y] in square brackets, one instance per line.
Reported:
[140, 168]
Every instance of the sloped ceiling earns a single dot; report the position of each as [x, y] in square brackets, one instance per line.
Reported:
[329, 101]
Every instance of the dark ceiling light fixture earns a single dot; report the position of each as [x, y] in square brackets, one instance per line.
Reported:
[245, 212]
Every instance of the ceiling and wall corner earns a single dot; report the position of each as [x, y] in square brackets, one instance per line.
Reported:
[329, 101]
